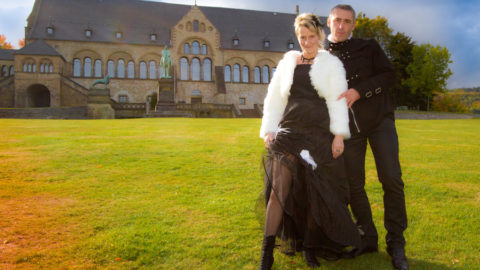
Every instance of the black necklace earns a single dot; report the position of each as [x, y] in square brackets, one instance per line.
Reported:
[304, 59]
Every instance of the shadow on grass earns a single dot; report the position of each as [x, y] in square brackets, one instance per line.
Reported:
[380, 261]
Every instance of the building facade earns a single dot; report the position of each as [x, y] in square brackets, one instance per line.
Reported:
[219, 55]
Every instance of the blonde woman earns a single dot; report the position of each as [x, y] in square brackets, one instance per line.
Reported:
[303, 126]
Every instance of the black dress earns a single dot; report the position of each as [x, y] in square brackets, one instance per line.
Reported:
[315, 212]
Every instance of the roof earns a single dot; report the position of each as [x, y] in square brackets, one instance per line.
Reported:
[137, 19]
[38, 47]
[6, 54]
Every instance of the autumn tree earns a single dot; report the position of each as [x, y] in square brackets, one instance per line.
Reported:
[4, 44]
[376, 28]
[21, 43]
[428, 72]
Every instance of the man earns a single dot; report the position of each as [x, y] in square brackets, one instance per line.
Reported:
[369, 74]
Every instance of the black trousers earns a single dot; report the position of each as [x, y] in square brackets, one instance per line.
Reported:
[383, 141]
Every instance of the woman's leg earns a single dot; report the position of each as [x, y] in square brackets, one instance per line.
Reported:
[281, 182]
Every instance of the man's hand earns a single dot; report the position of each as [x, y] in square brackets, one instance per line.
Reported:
[351, 95]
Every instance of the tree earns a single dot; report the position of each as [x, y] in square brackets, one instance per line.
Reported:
[376, 28]
[4, 44]
[428, 72]
[399, 48]
[21, 43]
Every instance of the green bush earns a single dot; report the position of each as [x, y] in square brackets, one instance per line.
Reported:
[448, 103]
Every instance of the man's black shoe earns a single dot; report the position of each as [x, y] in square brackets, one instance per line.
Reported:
[367, 248]
[399, 260]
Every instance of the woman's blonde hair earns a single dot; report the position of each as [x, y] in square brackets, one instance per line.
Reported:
[312, 23]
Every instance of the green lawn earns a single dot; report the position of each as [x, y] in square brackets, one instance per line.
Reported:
[182, 193]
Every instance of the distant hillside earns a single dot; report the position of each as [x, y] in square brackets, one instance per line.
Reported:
[470, 97]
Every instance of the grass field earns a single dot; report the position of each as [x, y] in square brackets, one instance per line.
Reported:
[181, 194]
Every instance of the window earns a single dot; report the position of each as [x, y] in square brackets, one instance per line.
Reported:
[121, 68]
[50, 68]
[130, 70]
[76, 67]
[111, 68]
[266, 44]
[152, 70]
[195, 26]
[118, 35]
[290, 45]
[98, 68]
[195, 69]
[50, 30]
[256, 75]
[88, 33]
[236, 73]
[12, 70]
[186, 48]
[207, 69]
[273, 72]
[243, 101]
[87, 67]
[153, 37]
[41, 69]
[196, 97]
[183, 68]
[143, 70]
[122, 98]
[245, 74]
[30, 68]
[34, 68]
[265, 75]
[228, 74]
[25, 68]
[204, 49]
[235, 42]
[195, 47]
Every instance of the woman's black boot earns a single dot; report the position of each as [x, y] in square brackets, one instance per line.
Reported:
[267, 253]
[309, 255]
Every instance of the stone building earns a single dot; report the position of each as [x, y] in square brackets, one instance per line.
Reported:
[220, 56]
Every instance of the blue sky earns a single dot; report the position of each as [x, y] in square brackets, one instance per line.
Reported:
[454, 24]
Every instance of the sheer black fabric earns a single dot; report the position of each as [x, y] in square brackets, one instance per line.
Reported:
[310, 185]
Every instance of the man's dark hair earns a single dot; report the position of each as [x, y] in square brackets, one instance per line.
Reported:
[344, 7]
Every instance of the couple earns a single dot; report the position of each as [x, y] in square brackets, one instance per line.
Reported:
[311, 178]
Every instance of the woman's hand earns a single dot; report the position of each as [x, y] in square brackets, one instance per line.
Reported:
[337, 146]
[269, 137]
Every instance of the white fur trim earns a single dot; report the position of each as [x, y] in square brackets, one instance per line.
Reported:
[305, 154]
[328, 78]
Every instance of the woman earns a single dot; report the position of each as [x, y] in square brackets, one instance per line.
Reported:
[303, 126]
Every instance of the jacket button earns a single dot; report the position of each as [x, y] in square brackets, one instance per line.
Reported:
[368, 94]
[378, 90]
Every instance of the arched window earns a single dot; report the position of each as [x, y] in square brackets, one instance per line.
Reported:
[30, 67]
[195, 47]
[111, 68]
[195, 26]
[143, 70]
[87, 67]
[204, 49]
[207, 69]
[131, 70]
[245, 74]
[186, 48]
[152, 70]
[12, 70]
[236, 73]
[256, 75]
[121, 68]
[195, 69]
[265, 74]
[50, 68]
[273, 72]
[183, 68]
[98, 68]
[25, 68]
[41, 69]
[34, 68]
[76, 67]
[228, 74]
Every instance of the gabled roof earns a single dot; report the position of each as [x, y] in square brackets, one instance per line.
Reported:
[137, 19]
[38, 47]
[6, 54]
